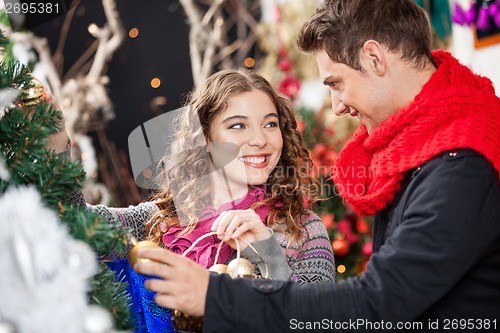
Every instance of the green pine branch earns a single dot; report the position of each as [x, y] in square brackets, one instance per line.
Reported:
[111, 295]
[14, 74]
[22, 148]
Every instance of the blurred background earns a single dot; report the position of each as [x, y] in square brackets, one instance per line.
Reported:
[113, 65]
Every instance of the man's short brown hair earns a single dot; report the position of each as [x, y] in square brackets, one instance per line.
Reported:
[341, 27]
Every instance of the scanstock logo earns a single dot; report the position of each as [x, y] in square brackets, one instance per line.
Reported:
[165, 143]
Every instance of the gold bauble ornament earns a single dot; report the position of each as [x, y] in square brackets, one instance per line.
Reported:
[183, 322]
[240, 267]
[218, 268]
[33, 94]
[132, 256]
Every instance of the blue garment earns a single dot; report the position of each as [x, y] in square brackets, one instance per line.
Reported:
[147, 315]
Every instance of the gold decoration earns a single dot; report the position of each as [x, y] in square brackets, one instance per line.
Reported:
[240, 267]
[183, 322]
[132, 256]
[218, 268]
[33, 94]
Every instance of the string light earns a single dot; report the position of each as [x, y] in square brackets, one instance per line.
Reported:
[341, 269]
[133, 33]
[157, 102]
[93, 29]
[249, 62]
[155, 82]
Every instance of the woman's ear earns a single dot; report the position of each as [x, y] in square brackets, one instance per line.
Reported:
[373, 57]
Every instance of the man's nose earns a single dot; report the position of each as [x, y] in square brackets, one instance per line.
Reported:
[337, 106]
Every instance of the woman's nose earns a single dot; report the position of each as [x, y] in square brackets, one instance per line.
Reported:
[257, 137]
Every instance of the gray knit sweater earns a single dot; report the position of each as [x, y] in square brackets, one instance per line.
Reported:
[310, 260]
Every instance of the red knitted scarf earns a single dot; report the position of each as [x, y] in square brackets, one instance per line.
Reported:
[455, 109]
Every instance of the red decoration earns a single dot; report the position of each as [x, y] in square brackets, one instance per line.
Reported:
[301, 125]
[285, 64]
[290, 86]
[341, 247]
[328, 132]
[328, 220]
[362, 226]
[345, 227]
[366, 249]
[323, 157]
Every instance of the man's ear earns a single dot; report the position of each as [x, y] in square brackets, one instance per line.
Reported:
[373, 57]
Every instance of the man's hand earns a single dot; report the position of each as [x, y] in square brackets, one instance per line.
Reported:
[184, 283]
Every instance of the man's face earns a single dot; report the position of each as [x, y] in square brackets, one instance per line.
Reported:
[360, 93]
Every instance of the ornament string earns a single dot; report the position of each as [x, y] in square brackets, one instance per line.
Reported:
[238, 251]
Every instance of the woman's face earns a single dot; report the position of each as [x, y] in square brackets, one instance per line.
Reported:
[251, 124]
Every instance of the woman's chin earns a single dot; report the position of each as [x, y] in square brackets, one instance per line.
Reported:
[256, 181]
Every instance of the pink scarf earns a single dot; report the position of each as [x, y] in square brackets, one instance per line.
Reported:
[204, 252]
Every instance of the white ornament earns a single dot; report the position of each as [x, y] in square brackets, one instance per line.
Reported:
[88, 157]
[98, 320]
[7, 97]
[312, 94]
[4, 173]
[7, 327]
[43, 271]
[23, 51]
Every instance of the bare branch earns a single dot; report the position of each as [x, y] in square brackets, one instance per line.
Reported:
[208, 35]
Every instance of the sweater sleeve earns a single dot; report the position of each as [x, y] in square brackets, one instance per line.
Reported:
[269, 258]
[133, 217]
[311, 261]
[314, 261]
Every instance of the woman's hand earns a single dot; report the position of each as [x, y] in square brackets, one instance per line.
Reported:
[184, 283]
[243, 224]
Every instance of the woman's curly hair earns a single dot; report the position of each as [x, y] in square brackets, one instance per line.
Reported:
[290, 190]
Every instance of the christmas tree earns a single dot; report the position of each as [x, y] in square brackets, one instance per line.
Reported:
[26, 122]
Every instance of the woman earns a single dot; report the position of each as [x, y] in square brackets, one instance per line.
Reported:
[260, 194]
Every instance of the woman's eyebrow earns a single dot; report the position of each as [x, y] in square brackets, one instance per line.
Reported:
[233, 118]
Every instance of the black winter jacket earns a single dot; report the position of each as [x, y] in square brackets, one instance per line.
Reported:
[435, 266]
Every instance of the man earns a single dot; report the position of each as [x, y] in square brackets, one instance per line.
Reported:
[425, 161]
